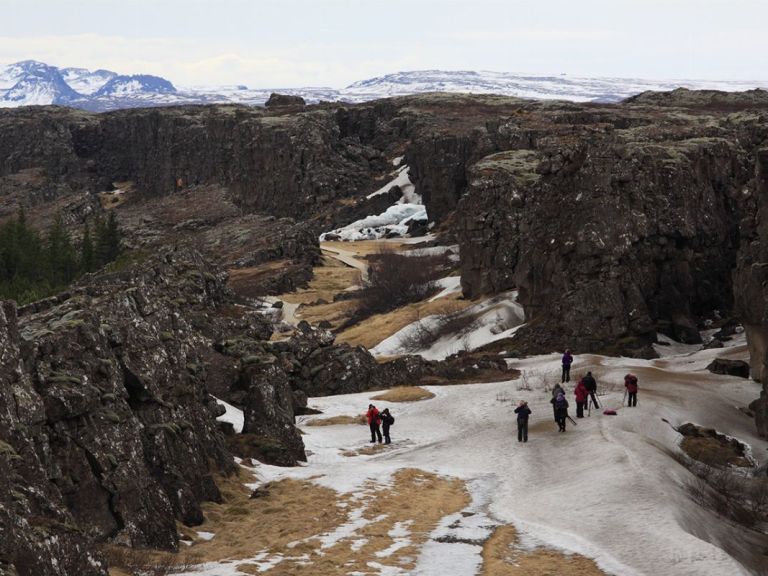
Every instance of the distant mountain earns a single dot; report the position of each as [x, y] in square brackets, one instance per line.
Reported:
[132, 85]
[31, 82]
[560, 87]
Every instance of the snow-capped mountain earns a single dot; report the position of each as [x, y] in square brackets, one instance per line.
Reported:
[31, 82]
[124, 86]
[85, 81]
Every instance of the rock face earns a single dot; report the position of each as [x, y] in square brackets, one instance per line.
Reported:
[751, 288]
[611, 241]
[35, 521]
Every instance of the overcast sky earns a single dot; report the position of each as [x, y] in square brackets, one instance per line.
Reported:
[291, 43]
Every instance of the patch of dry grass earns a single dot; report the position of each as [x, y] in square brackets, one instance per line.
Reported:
[365, 451]
[337, 420]
[405, 394]
[299, 513]
[502, 557]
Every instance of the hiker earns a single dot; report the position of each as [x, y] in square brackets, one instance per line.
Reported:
[567, 361]
[386, 421]
[522, 412]
[581, 394]
[374, 419]
[561, 411]
[555, 392]
[630, 383]
[591, 385]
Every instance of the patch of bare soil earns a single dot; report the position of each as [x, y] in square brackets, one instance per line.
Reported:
[503, 557]
[713, 449]
[405, 394]
[336, 420]
[293, 520]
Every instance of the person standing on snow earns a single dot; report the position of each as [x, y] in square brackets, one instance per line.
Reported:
[555, 392]
[581, 394]
[591, 385]
[630, 383]
[561, 410]
[567, 361]
[522, 412]
[374, 420]
[386, 421]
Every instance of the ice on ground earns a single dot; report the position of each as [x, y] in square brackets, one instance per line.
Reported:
[233, 415]
[491, 320]
[393, 221]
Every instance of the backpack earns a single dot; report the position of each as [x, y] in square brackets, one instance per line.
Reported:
[561, 404]
[389, 420]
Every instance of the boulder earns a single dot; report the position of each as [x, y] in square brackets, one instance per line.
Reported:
[730, 367]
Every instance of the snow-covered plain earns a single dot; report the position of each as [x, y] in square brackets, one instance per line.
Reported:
[607, 488]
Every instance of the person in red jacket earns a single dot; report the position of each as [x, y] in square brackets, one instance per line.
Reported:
[630, 383]
[581, 394]
[374, 421]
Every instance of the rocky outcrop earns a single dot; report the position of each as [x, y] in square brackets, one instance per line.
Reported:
[276, 100]
[39, 534]
[737, 368]
[107, 424]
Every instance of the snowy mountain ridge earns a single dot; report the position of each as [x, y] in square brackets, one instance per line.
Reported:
[35, 83]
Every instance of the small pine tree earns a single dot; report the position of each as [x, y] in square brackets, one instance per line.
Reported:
[87, 256]
[112, 237]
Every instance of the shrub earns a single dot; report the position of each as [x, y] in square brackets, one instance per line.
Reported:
[395, 280]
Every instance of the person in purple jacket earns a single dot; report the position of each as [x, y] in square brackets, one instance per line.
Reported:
[567, 361]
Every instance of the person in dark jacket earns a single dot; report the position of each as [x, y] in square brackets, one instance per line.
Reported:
[522, 412]
[374, 421]
[567, 361]
[386, 421]
[630, 383]
[581, 394]
[591, 385]
[555, 392]
[561, 411]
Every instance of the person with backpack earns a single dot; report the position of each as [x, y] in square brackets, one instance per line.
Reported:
[581, 394]
[561, 411]
[555, 392]
[522, 412]
[591, 385]
[374, 420]
[630, 383]
[386, 421]
[567, 361]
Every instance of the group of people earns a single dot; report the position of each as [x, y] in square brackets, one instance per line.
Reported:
[585, 392]
[376, 419]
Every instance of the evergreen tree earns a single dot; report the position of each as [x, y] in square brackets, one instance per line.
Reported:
[62, 262]
[113, 237]
[87, 256]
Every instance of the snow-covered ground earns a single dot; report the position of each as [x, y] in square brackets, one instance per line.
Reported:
[607, 488]
[491, 320]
